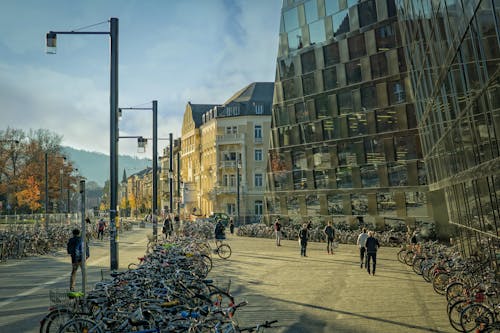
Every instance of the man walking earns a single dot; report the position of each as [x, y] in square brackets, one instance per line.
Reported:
[361, 242]
[75, 249]
[372, 246]
[303, 237]
[330, 235]
[277, 231]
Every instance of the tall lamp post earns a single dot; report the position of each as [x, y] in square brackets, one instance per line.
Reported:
[238, 165]
[113, 138]
[154, 205]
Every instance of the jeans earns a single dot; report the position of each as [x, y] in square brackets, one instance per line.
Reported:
[303, 247]
[278, 237]
[72, 280]
[362, 254]
[329, 245]
[370, 255]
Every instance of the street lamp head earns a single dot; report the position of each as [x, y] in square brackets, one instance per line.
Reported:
[51, 44]
[141, 144]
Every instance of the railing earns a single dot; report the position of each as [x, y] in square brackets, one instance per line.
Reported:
[229, 138]
[227, 164]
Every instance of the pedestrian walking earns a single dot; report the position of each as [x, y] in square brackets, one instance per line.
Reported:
[101, 226]
[219, 231]
[303, 237]
[167, 227]
[372, 246]
[231, 226]
[277, 231]
[330, 235]
[361, 242]
[74, 248]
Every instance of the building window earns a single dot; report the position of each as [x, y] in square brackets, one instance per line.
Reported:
[225, 180]
[367, 13]
[231, 130]
[378, 63]
[385, 38]
[258, 180]
[289, 88]
[340, 22]
[330, 78]
[317, 32]
[311, 8]
[232, 180]
[321, 105]
[308, 61]
[331, 6]
[257, 131]
[353, 72]
[308, 84]
[331, 54]
[386, 120]
[301, 113]
[259, 108]
[231, 209]
[291, 19]
[396, 91]
[368, 97]
[344, 102]
[258, 207]
[258, 154]
[357, 46]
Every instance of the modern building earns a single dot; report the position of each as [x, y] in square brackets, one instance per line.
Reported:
[224, 150]
[344, 141]
[453, 54]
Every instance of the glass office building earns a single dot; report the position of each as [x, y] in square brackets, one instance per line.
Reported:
[344, 141]
[453, 52]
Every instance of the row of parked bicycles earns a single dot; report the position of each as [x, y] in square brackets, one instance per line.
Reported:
[168, 290]
[25, 240]
[342, 235]
[471, 287]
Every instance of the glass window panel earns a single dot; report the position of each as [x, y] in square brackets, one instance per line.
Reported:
[416, 203]
[385, 38]
[335, 204]
[308, 84]
[353, 72]
[398, 174]
[312, 204]
[347, 154]
[406, 147]
[331, 54]
[299, 180]
[328, 129]
[386, 120]
[331, 6]
[311, 9]
[344, 177]
[301, 113]
[291, 19]
[321, 180]
[396, 92]
[367, 13]
[369, 176]
[344, 102]
[295, 39]
[378, 64]
[391, 8]
[351, 3]
[386, 205]
[330, 78]
[293, 205]
[357, 124]
[340, 22]
[321, 105]
[359, 204]
[374, 151]
[299, 160]
[308, 61]
[401, 60]
[287, 69]
[368, 97]
[289, 89]
[322, 158]
[317, 32]
[357, 46]
[273, 205]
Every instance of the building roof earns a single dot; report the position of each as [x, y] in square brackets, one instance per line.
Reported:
[256, 92]
[198, 110]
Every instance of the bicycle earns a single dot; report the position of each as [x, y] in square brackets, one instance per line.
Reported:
[223, 250]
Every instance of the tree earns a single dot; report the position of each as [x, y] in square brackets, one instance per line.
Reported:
[29, 195]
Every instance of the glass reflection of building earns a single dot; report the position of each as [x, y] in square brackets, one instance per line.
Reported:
[454, 53]
[344, 135]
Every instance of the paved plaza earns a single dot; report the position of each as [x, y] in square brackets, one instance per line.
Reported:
[320, 293]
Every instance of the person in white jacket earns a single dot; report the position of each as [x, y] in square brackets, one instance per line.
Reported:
[361, 242]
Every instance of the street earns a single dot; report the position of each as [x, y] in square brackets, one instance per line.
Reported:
[320, 293]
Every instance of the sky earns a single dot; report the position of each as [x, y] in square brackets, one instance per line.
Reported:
[172, 51]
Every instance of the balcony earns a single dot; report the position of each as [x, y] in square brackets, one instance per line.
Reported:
[227, 164]
[226, 139]
[225, 189]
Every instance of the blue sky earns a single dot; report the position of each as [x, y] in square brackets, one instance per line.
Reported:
[173, 51]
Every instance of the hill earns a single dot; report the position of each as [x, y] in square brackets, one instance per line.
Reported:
[95, 166]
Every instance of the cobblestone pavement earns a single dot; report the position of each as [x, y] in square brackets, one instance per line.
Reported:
[328, 293]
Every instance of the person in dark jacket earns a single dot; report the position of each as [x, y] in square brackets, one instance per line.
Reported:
[371, 246]
[74, 248]
[303, 237]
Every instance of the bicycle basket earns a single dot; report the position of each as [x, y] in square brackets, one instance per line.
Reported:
[60, 297]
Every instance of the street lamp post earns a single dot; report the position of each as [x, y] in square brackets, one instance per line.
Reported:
[154, 205]
[113, 105]
[170, 173]
[238, 165]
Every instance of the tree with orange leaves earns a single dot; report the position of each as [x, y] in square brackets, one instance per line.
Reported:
[29, 195]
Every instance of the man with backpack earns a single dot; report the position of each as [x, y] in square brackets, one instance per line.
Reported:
[101, 225]
[75, 249]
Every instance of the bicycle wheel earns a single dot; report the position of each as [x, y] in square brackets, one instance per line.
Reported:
[455, 289]
[224, 251]
[222, 301]
[401, 255]
[455, 312]
[476, 316]
[54, 320]
[408, 258]
[440, 282]
[417, 265]
[81, 325]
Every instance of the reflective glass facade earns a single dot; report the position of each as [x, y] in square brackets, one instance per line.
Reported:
[344, 138]
[453, 51]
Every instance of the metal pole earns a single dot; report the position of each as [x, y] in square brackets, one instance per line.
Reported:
[61, 190]
[46, 190]
[238, 188]
[170, 173]
[68, 210]
[179, 183]
[113, 103]
[155, 170]
[84, 237]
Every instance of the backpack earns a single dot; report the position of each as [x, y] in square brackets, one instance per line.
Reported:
[79, 251]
